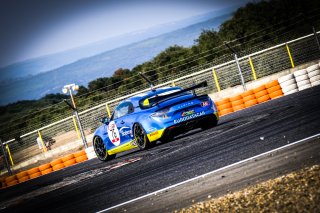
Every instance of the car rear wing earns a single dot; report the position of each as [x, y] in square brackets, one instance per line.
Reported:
[151, 101]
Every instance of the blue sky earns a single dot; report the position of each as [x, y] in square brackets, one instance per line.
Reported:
[32, 28]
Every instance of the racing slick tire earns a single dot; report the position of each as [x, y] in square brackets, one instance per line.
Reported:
[141, 137]
[101, 150]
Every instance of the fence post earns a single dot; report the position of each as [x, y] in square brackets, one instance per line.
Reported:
[43, 145]
[216, 79]
[290, 57]
[5, 158]
[240, 72]
[76, 127]
[9, 153]
[316, 37]
[108, 110]
[252, 69]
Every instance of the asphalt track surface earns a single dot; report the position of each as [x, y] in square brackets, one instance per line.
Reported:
[93, 186]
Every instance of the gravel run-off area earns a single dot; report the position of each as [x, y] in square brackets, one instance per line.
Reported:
[295, 192]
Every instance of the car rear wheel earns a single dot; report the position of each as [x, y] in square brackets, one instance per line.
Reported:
[141, 137]
[100, 150]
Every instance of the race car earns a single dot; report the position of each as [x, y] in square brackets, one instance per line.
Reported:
[158, 115]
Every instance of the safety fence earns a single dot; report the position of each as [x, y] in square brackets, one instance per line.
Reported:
[220, 74]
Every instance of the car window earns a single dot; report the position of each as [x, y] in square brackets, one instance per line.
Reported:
[122, 110]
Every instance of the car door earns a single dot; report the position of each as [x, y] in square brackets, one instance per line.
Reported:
[119, 130]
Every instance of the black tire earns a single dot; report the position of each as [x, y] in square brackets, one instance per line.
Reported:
[100, 150]
[209, 123]
[141, 137]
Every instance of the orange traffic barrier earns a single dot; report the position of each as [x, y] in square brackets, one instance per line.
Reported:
[44, 167]
[225, 111]
[272, 84]
[223, 101]
[55, 162]
[47, 171]
[239, 107]
[247, 93]
[235, 98]
[67, 157]
[274, 88]
[225, 106]
[78, 154]
[237, 102]
[34, 175]
[22, 174]
[33, 171]
[276, 94]
[25, 178]
[81, 158]
[248, 98]
[10, 178]
[263, 99]
[261, 93]
[58, 167]
[13, 182]
[251, 103]
[258, 89]
[69, 162]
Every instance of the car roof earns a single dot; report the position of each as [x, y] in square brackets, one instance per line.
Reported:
[135, 99]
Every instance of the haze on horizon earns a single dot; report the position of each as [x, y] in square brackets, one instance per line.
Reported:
[36, 28]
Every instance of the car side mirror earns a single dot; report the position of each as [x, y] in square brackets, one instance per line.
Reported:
[105, 120]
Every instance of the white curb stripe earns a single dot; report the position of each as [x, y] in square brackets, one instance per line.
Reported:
[212, 172]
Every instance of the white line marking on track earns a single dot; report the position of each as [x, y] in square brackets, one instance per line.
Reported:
[210, 173]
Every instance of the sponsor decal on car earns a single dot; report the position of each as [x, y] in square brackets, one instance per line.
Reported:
[187, 113]
[189, 117]
[124, 131]
[154, 133]
[185, 105]
[205, 103]
[113, 133]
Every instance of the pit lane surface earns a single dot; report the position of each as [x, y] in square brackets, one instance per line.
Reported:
[94, 185]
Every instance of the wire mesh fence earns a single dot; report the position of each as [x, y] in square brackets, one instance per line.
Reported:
[22, 142]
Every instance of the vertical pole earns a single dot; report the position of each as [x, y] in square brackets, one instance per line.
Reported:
[108, 110]
[173, 84]
[76, 127]
[290, 57]
[316, 37]
[5, 158]
[9, 153]
[240, 72]
[72, 99]
[216, 79]
[252, 69]
[43, 145]
[75, 112]
[80, 127]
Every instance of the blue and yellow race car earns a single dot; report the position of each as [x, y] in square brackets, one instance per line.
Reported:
[158, 115]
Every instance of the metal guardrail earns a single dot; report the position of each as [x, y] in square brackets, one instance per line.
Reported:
[255, 65]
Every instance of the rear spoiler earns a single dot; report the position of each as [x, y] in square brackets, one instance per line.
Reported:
[156, 99]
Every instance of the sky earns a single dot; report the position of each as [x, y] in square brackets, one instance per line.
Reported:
[33, 28]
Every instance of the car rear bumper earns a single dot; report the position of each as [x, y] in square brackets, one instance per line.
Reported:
[188, 125]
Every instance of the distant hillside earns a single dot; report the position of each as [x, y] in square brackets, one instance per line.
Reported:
[49, 62]
[102, 65]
